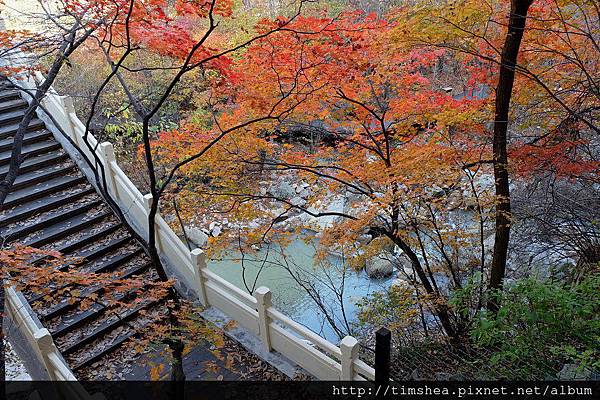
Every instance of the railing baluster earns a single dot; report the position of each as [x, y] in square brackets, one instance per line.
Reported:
[263, 299]
[108, 155]
[349, 348]
[199, 262]
[69, 108]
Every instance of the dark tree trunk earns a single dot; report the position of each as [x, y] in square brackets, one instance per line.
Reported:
[510, 52]
[175, 344]
[16, 157]
[440, 309]
[67, 48]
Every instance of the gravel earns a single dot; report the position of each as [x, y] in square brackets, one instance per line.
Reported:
[13, 365]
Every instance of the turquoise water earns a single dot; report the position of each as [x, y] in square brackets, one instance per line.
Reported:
[269, 267]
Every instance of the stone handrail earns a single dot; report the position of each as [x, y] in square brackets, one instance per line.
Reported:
[38, 338]
[44, 350]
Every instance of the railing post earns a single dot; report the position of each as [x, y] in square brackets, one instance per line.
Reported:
[349, 348]
[263, 300]
[45, 345]
[383, 340]
[108, 155]
[199, 263]
[67, 103]
[147, 205]
[148, 202]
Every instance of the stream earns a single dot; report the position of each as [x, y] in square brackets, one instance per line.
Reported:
[287, 295]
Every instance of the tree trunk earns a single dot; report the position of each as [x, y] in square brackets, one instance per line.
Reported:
[68, 46]
[16, 157]
[175, 344]
[440, 309]
[510, 52]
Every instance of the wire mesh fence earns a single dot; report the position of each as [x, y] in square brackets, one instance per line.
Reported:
[436, 358]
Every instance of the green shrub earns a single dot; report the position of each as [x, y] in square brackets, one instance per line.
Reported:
[540, 326]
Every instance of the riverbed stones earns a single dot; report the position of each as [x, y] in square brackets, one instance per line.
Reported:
[216, 231]
[297, 201]
[379, 267]
[574, 372]
[197, 236]
[215, 228]
[302, 190]
[282, 190]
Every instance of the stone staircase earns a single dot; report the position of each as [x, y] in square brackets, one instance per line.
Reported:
[52, 206]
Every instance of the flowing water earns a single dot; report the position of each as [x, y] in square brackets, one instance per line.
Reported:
[288, 295]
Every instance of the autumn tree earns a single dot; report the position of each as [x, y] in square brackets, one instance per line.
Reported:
[399, 158]
[396, 149]
[173, 39]
[508, 60]
[545, 122]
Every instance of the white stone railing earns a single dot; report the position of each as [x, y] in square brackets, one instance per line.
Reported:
[37, 337]
[321, 358]
[44, 350]
[39, 340]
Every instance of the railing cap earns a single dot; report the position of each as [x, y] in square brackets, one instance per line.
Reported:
[263, 296]
[262, 291]
[349, 343]
[148, 201]
[108, 150]
[67, 102]
[197, 251]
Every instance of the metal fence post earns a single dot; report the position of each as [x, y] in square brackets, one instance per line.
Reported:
[349, 348]
[263, 302]
[199, 262]
[383, 340]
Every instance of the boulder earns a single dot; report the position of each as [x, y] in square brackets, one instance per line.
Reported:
[297, 201]
[282, 190]
[364, 238]
[196, 235]
[443, 376]
[301, 186]
[302, 189]
[574, 372]
[379, 267]
[304, 193]
[216, 231]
